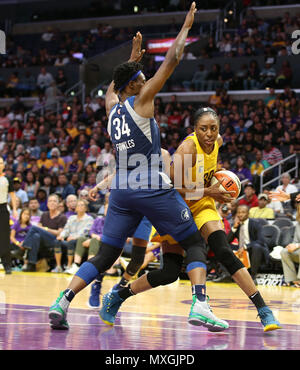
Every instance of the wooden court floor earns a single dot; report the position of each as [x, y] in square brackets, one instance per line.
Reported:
[154, 320]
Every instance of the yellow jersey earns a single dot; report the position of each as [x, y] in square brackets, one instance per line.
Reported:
[203, 210]
[206, 164]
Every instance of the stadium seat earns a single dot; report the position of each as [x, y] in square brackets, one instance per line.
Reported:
[271, 234]
[286, 235]
[282, 222]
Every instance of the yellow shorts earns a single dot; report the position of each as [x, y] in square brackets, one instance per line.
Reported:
[203, 212]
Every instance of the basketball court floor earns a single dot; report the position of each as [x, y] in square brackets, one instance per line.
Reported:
[154, 320]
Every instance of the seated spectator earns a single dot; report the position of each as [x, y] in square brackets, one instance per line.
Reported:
[267, 76]
[290, 255]
[198, 79]
[64, 188]
[17, 183]
[18, 233]
[11, 212]
[88, 244]
[257, 167]
[250, 238]
[61, 80]
[44, 80]
[262, 211]
[285, 75]
[289, 188]
[76, 226]
[241, 170]
[272, 155]
[44, 234]
[76, 165]
[35, 212]
[31, 185]
[42, 199]
[71, 203]
[213, 77]
[215, 99]
[250, 198]
[253, 76]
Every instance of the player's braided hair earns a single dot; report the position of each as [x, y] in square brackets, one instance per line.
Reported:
[206, 110]
[124, 72]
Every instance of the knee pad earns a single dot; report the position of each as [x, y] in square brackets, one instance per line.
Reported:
[105, 257]
[137, 259]
[219, 245]
[172, 264]
[195, 247]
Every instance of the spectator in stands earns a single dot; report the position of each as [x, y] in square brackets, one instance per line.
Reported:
[88, 244]
[227, 76]
[267, 75]
[198, 80]
[20, 193]
[44, 80]
[76, 226]
[241, 170]
[250, 198]
[61, 80]
[286, 186]
[71, 203]
[285, 75]
[213, 77]
[215, 100]
[290, 255]
[42, 199]
[250, 238]
[76, 165]
[35, 212]
[257, 167]
[44, 235]
[32, 185]
[253, 75]
[271, 154]
[18, 233]
[64, 188]
[262, 211]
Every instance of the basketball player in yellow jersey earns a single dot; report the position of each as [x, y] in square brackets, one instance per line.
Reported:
[203, 144]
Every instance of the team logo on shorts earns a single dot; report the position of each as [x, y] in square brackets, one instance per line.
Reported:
[185, 214]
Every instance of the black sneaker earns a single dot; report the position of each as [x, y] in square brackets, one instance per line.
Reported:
[17, 253]
[30, 267]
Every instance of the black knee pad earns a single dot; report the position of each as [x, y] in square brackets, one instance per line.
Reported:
[106, 257]
[172, 264]
[137, 259]
[195, 248]
[219, 245]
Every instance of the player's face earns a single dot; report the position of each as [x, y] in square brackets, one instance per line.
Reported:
[207, 131]
[139, 83]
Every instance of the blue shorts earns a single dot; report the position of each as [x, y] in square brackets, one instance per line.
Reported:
[164, 208]
[143, 231]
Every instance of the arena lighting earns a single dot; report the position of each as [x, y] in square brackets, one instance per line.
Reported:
[225, 20]
[135, 9]
[100, 92]
[68, 107]
[230, 12]
[72, 93]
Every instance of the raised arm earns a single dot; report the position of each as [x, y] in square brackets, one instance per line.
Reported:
[111, 98]
[154, 85]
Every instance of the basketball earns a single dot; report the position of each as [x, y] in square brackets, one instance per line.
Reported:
[230, 182]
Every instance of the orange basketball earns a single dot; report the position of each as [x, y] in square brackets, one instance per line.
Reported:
[229, 182]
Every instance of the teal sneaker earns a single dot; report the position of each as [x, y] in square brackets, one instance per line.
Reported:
[267, 319]
[201, 314]
[57, 315]
[111, 303]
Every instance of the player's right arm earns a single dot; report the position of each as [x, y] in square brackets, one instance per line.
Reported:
[111, 98]
[144, 104]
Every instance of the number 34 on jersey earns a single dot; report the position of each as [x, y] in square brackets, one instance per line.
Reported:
[122, 129]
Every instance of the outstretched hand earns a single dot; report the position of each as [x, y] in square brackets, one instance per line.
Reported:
[189, 19]
[279, 195]
[136, 51]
